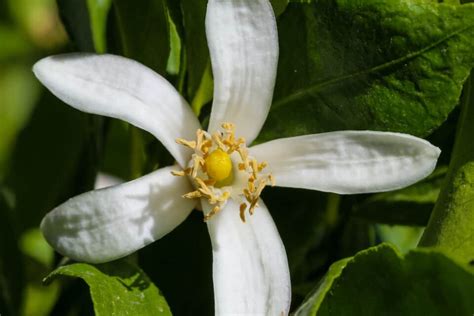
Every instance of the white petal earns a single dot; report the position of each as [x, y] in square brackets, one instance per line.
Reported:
[243, 42]
[104, 180]
[348, 162]
[110, 223]
[121, 88]
[250, 268]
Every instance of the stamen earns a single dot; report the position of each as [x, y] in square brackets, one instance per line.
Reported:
[178, 173]
[192, 195]
[212, 213]
[243, 207]
[211, 170]
[190, 144]
[217, 139]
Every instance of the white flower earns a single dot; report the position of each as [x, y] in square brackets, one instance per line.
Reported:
[250, 268]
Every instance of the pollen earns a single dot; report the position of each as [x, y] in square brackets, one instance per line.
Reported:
[211, 170]
[218, 165]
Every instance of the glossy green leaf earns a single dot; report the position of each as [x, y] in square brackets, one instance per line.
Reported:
[117, 288]
[144, 32]
[379, 281]
[451, 224]
[365, 65]
[408, 206]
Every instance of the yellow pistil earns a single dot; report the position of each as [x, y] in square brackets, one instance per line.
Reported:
[211, 170]
[218, 165]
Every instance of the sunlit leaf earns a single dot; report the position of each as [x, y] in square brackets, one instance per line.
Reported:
[364, 65]
[379, 281]
[452, 220]
[117, 288]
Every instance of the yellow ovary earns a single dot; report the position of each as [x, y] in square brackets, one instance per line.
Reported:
[218, 165]
[211, 171]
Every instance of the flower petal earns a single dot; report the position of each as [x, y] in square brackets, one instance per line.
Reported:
[121, 88]
[348, 162]
[110, 223]
[243, 43]
[250, 268]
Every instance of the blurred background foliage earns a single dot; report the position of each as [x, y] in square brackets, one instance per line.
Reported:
[50, 152]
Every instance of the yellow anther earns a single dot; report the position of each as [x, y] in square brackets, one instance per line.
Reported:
[178, 173]
[272, 179]
[217, 138]
[184, 142]
[212, 213]
[218, 165]
[211, 170]
[192, 195]
[243, 207]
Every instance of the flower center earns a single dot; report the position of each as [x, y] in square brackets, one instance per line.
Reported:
[218, 165]
[220, 168]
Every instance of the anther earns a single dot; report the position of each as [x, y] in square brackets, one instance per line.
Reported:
[243, 207]
[187, 143]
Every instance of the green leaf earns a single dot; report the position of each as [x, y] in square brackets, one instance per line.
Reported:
[365, 65]
[174, 60]
[11, 262]
[144, 32]
[197, 52]
[182, 264]
[204, 93]
[451, 225]
[14, 43]
[55, 157]
[39, 260]
[452, 221]
[305, 220]
[379, 281]
[86, 23]
[405, 238]
[98, 12]
[408, 206]
[279, 6]
[117, 288]
[75, 17]
[19, 92]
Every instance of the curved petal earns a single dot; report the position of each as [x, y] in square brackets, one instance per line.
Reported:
[250, 268]
[348, 162]
[104, 180]
[243, 42]
[110, 223]
[121, 88]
